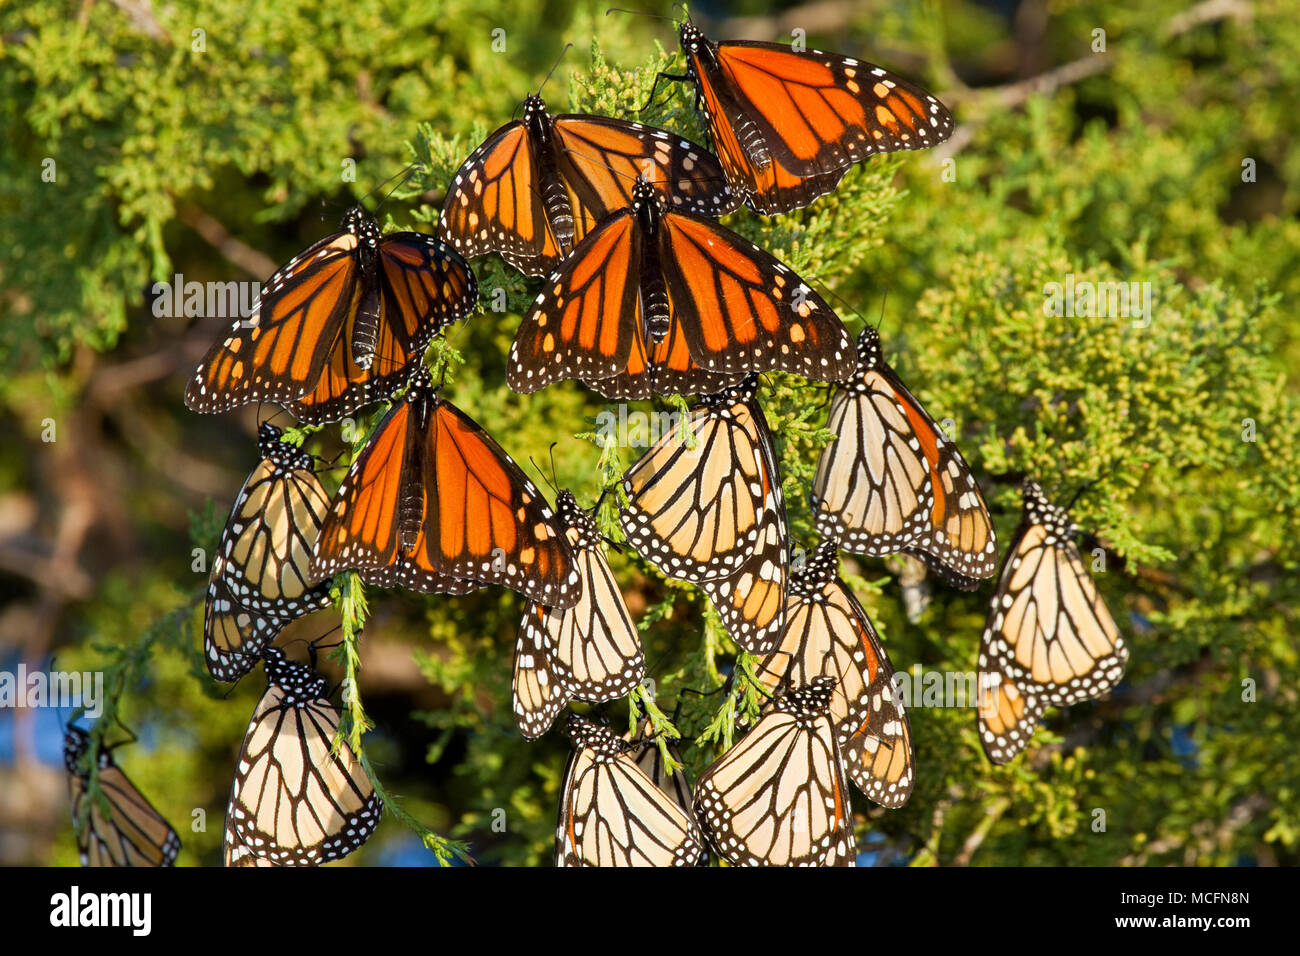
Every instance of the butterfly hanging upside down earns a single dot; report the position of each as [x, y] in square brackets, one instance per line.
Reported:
[260, 575]
[131, 832]
[892, 481]
[1050, 640]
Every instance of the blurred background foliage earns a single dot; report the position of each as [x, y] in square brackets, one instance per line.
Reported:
[213, 139]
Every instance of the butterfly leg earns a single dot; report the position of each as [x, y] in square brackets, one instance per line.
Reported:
[674, 77]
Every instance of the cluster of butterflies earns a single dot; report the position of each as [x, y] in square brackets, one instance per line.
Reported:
[644, 294]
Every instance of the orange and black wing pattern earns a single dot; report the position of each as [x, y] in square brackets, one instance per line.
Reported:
[277, 353]
[660, 301]
[434, 504]
[495, 204]
[334, 328]
[891, 481]
[600, 158]
[537, 187]
[1049, 640]
[661, 368]
[828, 634]
[423, 286]
[118, 827]
[787, 124]
[583, 323]
[741, 310]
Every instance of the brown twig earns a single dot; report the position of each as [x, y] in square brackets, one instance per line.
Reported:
[255, 263]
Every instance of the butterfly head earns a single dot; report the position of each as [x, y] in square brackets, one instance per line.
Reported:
[644, 195]
[1038, 510]
[282, 453]
[297, 682]
[818, 571]
[691, 37]
[419, 384]
[812, 700]
[362, 225]
[534, 110]
[589, 735]
[869, 355]
[582, 529]
[75, 742]
[743, 391]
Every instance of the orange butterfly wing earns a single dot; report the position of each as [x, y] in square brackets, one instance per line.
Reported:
[600, 158]
[423, 287]
[277, 353]
[763, 183]
[495, 205]
[585, 321]
[742, 310]
[433, 504]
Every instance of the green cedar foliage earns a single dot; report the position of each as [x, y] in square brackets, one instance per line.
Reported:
[1132, 172]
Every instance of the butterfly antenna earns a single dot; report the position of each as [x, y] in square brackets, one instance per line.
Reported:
[883, 299]
[541, 473]
[405, 175]
[640, 13]
[555, 474]
[828, 291]
[558, 60]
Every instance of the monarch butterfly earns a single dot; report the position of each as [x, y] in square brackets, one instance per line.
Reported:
[538, 185]
[612, 814]
[828, 633]
[890, 481]
[788, 124]
[659, 300]
[260, 576]
[294, 802]
[1049, 640]
[335, 328]
[714, 514]
[778, 797]
[433, 504]
[121, 828]
[591, 651]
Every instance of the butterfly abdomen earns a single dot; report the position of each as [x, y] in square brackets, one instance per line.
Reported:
[365, 333]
